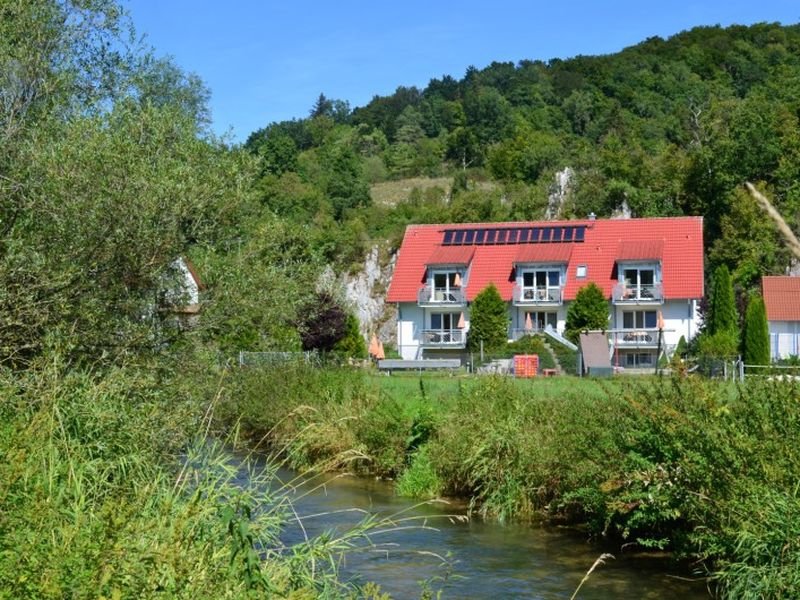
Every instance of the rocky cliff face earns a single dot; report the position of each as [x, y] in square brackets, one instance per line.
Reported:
[365, 294]
[559, 192]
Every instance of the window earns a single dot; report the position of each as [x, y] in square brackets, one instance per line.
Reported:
[542, 285]
[444, 321]
[541, 320]
[640, 360]
[445, 286]
[580, 271]
[639, 319]
[639, 282]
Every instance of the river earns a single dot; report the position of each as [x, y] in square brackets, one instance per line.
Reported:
[486, 559]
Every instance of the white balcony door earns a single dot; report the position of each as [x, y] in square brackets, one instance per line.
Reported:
[541, 320]
[640, 281]
[537, 284]
[443, 283]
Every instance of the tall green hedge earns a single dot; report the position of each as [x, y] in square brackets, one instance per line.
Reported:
[755, 343]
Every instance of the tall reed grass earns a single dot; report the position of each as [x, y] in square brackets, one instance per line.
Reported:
[109, 488]
[705, 469]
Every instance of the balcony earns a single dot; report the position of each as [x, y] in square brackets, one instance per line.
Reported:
[443, 338]
[638, 294]
[434, 296]
[537, 296]
[636, 338]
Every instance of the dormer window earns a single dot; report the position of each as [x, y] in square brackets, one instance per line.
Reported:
[539, 284]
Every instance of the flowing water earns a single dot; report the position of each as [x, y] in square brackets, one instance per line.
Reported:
[472, 558]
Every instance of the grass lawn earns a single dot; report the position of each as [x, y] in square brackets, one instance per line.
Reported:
[444, 387]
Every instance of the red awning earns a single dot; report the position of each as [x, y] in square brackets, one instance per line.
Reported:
[646, 250]
[451, 255]
[543, 253]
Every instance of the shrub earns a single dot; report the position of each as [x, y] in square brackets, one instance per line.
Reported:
[420, 480]
[352, 343]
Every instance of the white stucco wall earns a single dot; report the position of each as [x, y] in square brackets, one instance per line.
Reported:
[680, 318]
[412, 320]
[784, 339]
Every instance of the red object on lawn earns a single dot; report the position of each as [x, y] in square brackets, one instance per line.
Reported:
[526, 365]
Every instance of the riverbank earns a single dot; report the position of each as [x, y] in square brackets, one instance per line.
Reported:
[701, 468]
[110, 488]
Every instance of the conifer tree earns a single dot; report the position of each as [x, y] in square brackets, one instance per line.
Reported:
[589, 310]
[755, 343]
[722, 316]
[488, 320]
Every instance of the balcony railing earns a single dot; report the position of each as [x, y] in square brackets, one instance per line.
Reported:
[516, 334]
[636, 338]
[434, 296]
[638, 294]
[443, 338]
[526, 296]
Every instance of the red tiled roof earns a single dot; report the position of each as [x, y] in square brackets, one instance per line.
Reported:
[781, 297]
[451, 255]
[640, 250]
[681, 240]
[541, 253]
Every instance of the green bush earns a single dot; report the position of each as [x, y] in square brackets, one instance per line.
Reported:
[589, 310]
[420, 480]
[488, 321]
[529, 344]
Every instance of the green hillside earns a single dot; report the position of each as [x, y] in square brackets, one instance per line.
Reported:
[668, 127]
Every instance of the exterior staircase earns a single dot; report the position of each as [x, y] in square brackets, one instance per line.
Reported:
[559, 369]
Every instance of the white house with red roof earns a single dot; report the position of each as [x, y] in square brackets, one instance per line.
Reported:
[647, 268]
[782, 301]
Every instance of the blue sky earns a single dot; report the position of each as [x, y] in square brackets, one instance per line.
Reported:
[268, 61]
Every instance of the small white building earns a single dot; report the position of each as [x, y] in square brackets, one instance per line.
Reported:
[651, 271]
[782, 301]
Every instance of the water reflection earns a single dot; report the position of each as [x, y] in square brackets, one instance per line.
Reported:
[486, 559]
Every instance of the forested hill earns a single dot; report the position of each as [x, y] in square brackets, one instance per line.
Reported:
[669, 127]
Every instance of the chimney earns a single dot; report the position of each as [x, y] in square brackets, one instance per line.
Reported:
[592, 216]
